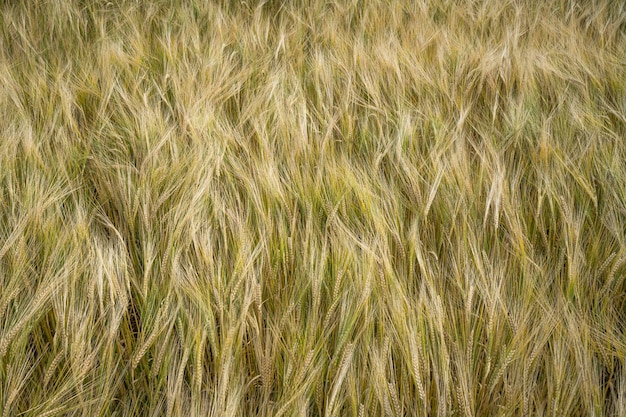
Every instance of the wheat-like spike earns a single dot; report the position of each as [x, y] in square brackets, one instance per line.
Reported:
[343, 370]
[241, 278]
[88, 363]
[394, 398]
[290, 251]
[9, 401]
[176, 266]
[468, 305]
[305, 366]
[258, 298]
[401, 247]
[156, 330]
[7, 299]
[180, 330]
[567, 213]
[156, 365]
[288, 313]
[502, 369]
[555, 402]
[525, 401]
[329, 314]
[460, 401]
[148, 260]
[332, 212]
[267, 370]
[164, 261]
[381, 277]
[319, 392]
[289, 371]
[466, 403]
[53, 411]
[470, 347]
[55, 362]
[316, 292]
[44, 293]
[423, 360]
[198, 365]
[511, 322]
[337, 284]
[178, 382]
[218, 300]
[415, 358]
[387, 406]
[531, 360]
[385, 351]
[616, 266]
[490, 322]
[602, 267]
[361, 410]
[6, 340]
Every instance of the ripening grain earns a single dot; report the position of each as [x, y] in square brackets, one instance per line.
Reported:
[321, 208]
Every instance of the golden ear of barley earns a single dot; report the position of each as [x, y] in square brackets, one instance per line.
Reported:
[267, 372]
[415, 357]
[470, 347]
[343, 370]
[468, 306]
[394, 398]
[172, 396]
[385, 350]
[337, 285]
[7, 299]
[288, 371]
[153, 335]
[6, 340]
[257, 297]
[319, 388]
[316, 293]
[156, 365]
[502, 369]
[198, 364]
[614, 269]
[381, 276]
[305, 366]
[52, 412]
[602, 267]
[459, 400]
[387, 406]
[329, 314]
[10, 398]
[55, 362]
[88, 363]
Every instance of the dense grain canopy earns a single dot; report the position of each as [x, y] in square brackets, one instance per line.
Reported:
[312, 208]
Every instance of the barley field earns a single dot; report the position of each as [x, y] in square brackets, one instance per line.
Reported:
[312, 208]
